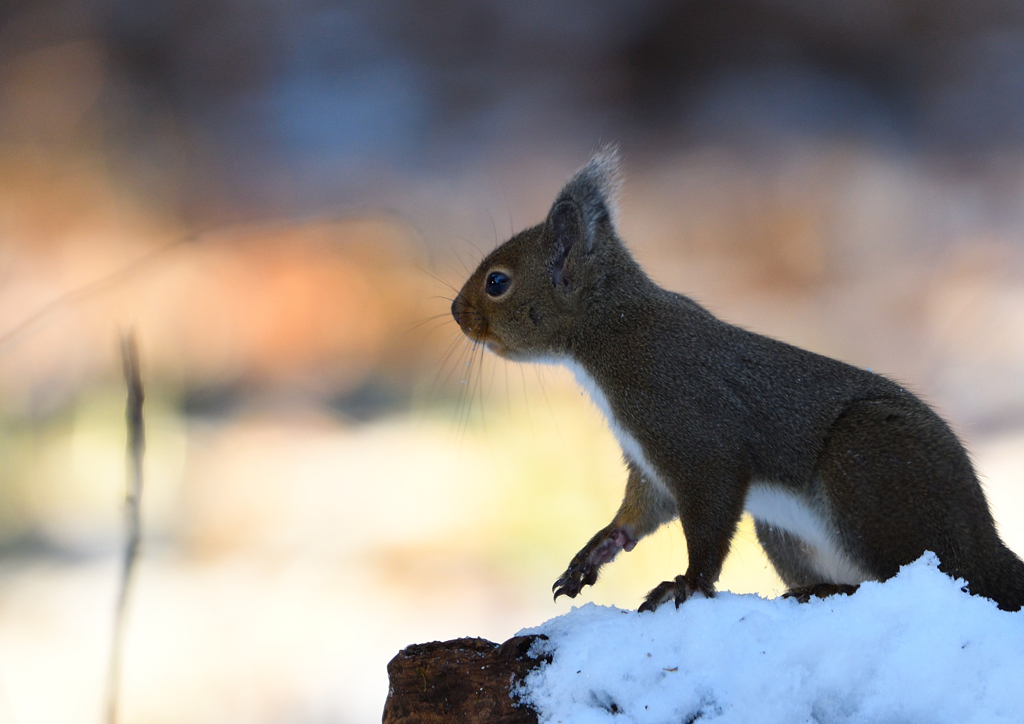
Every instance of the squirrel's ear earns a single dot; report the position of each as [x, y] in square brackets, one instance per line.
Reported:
[565, 225]
[585, 205]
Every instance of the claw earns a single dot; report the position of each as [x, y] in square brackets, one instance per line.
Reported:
[677, 591]
[561, 587]
[574, 579]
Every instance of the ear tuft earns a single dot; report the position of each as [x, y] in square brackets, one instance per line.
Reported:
[584, 208]
[595, 188]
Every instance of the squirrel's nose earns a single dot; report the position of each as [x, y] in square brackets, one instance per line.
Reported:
[455, 310]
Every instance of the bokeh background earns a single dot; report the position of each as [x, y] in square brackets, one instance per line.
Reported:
[280, 198]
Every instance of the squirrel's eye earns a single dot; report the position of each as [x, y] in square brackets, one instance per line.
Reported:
[497, 284]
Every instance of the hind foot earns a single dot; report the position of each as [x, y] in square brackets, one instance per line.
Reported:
[819, 590]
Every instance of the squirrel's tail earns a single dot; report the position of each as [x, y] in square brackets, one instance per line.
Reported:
[1004, 583]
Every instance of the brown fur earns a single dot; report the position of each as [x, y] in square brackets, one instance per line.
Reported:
[708, 412]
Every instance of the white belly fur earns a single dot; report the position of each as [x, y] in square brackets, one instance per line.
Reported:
[784, 509]
[629, 445]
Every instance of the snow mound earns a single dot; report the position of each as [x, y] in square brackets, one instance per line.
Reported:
[913, 649]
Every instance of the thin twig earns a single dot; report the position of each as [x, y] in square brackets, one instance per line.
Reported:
[133, 496]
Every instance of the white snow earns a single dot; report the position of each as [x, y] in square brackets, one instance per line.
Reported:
[913, 649]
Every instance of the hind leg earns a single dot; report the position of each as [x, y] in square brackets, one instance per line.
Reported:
[790, 556]
[899, 483]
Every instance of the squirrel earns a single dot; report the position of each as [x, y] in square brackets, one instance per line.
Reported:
[847, 474]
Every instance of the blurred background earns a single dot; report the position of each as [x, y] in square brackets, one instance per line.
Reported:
[280, 198]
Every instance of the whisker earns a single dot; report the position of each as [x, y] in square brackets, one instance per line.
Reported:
[526, 400]
[508, 395]
[438, 324]
[437, 385]
[493, 227]
[547, 402]
[508, 208]
[490, 383]
[431, 318]
[447, 357]
[459, 256]
[479, 390]
[466, 399]
[437, 279]
[473, 244]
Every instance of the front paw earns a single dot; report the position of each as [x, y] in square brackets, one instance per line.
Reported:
[577, 575]
[582, 571]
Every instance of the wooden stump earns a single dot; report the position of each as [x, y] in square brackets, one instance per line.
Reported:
[464, 680]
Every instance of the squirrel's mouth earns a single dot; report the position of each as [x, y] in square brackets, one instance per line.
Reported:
[495, 346]
[482, 335]
[476, 328]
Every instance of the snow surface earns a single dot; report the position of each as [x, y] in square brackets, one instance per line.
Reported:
[913, 649]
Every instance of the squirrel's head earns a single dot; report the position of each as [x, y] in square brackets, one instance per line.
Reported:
[527, 295]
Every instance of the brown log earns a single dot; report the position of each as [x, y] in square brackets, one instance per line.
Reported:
[464, 680]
